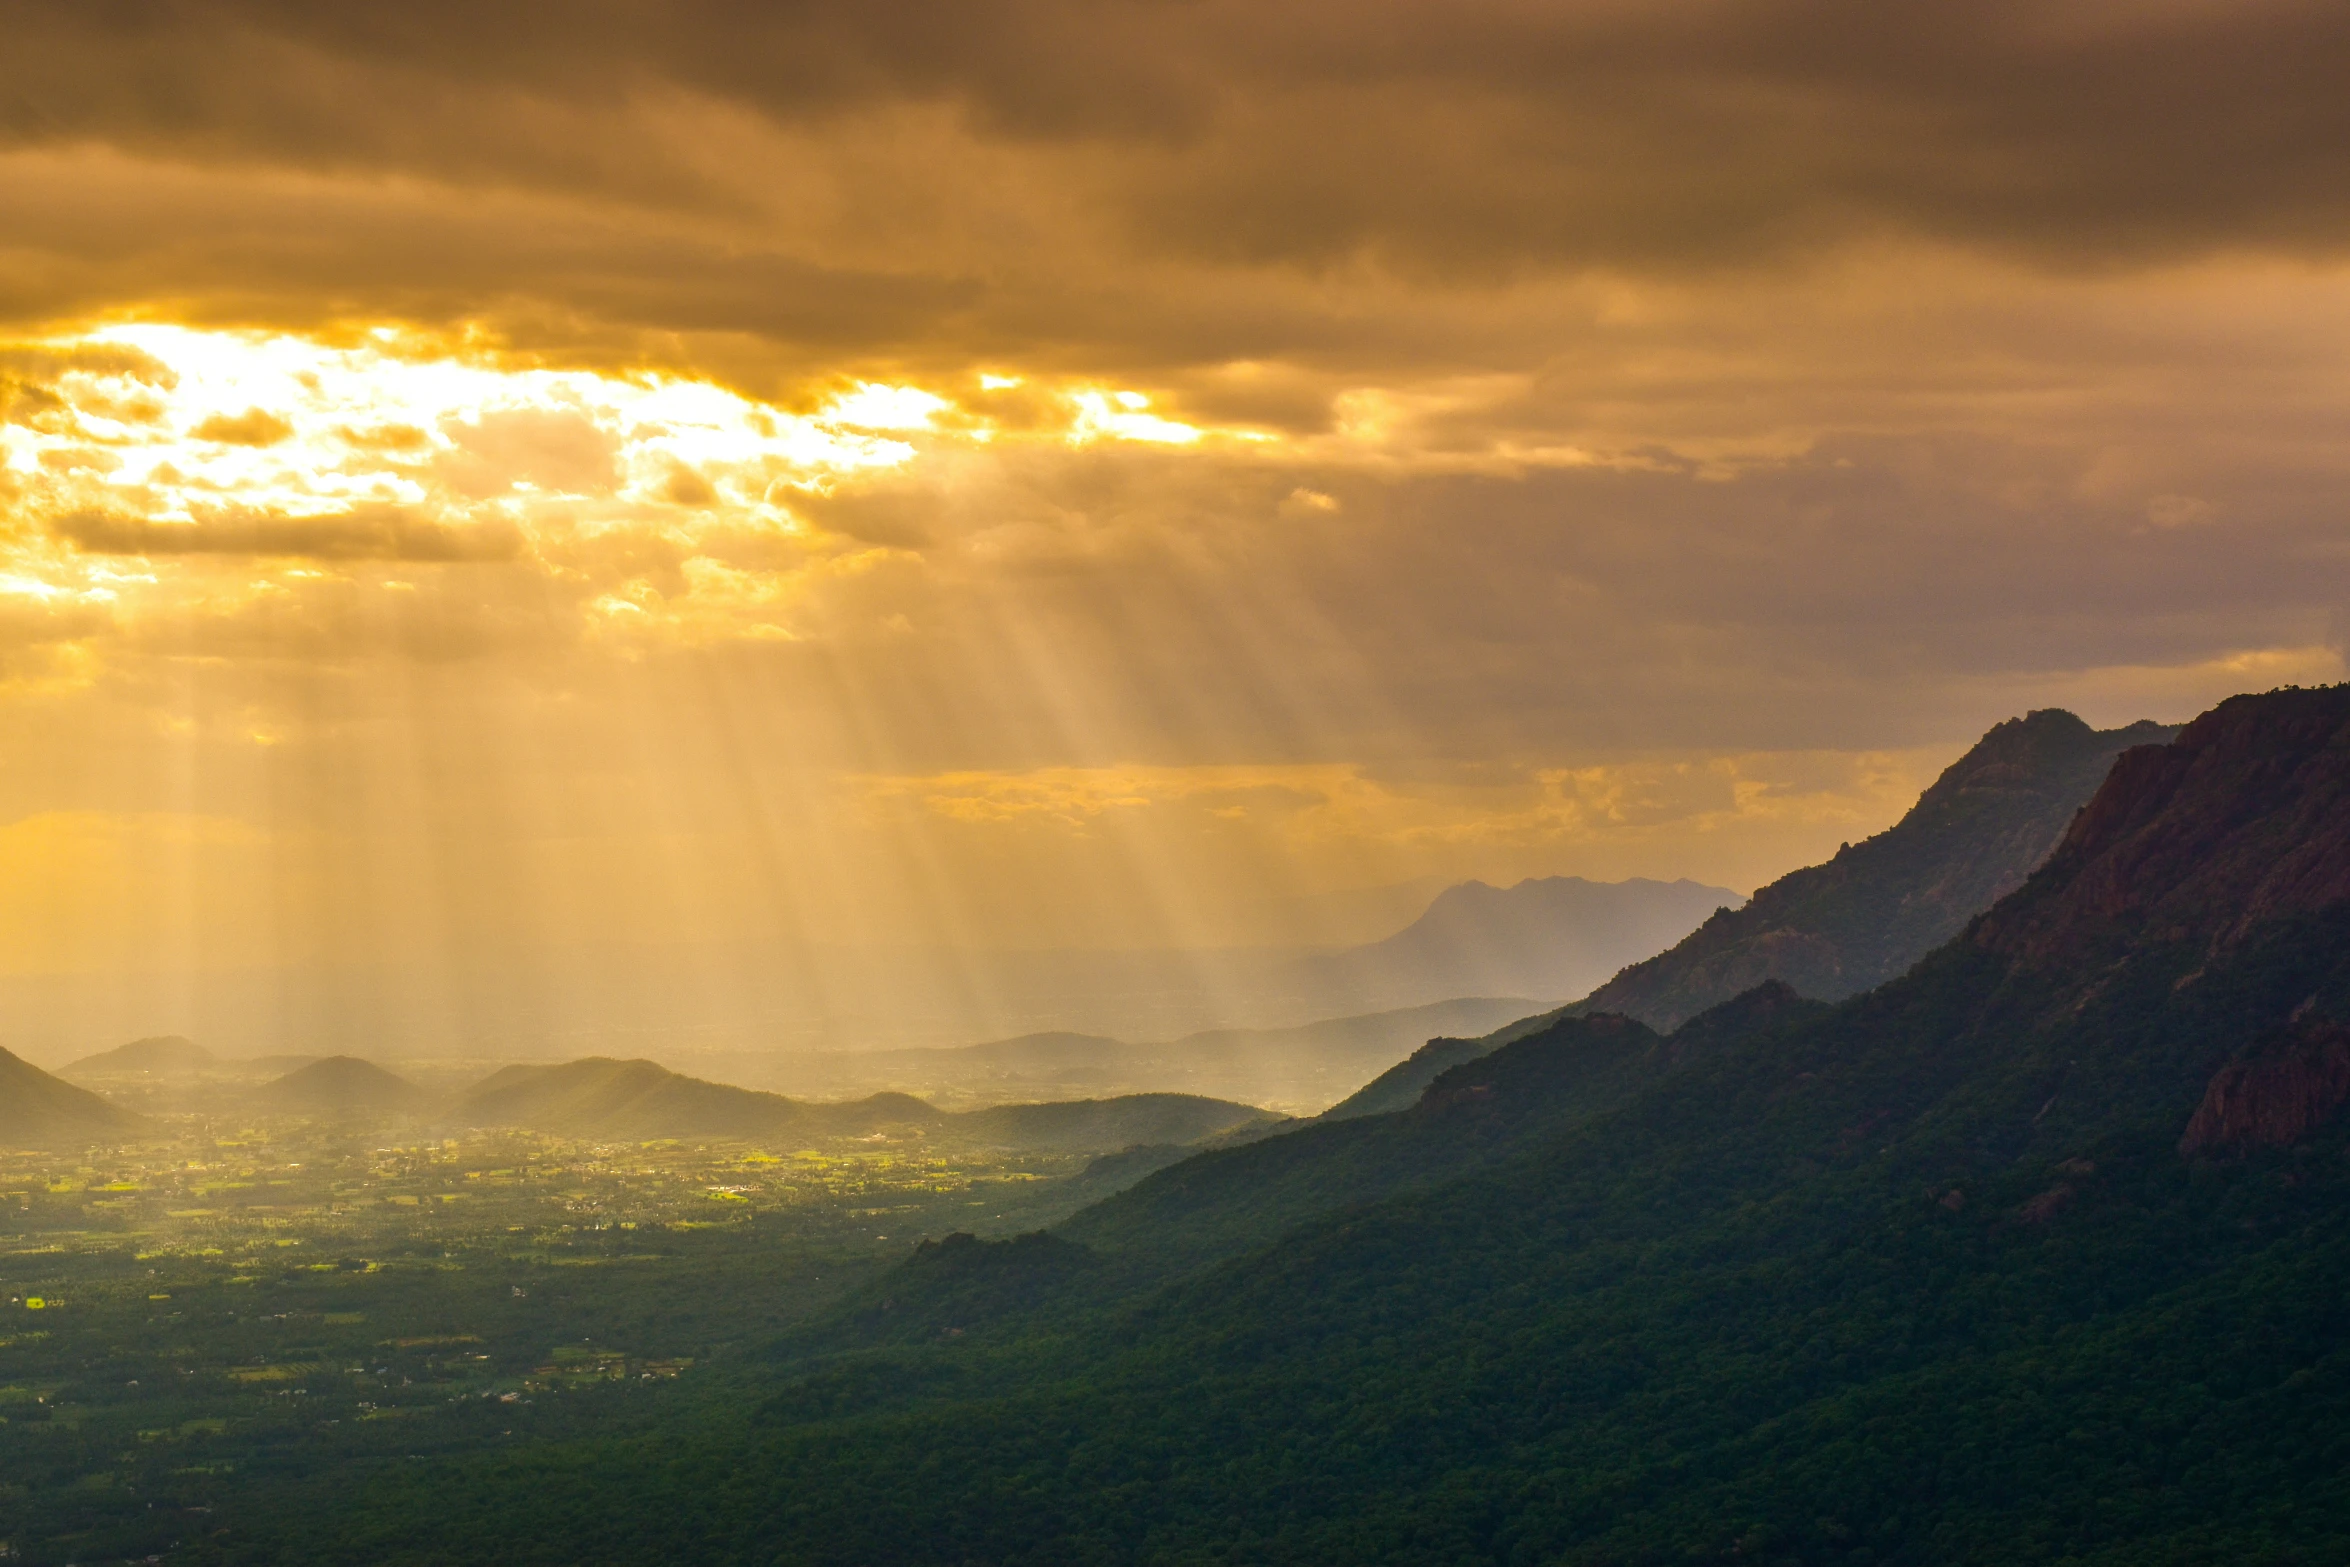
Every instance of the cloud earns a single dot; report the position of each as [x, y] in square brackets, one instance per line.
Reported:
[1174, 448]
[253, 427]
[1469, 138]
[374, 534]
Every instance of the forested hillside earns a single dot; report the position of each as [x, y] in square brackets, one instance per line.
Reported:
[1941, 1274]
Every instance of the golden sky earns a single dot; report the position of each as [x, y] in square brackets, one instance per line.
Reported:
[486, 482]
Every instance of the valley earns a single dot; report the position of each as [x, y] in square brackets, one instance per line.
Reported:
[231, 1305]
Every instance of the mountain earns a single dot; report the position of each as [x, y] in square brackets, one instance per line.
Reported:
[163, 1055]
[634, 1100]
[640, 1100]
[1864, 917]
[41, 1111]
[1554, 937]
[1297, 1069]
[2243, 822]
[2038, 1252]
[341, 1087]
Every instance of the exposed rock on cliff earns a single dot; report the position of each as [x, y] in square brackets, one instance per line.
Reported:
[2276, 1093]
[2242, 820]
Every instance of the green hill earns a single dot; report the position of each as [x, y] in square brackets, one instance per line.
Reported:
[2039, 1253]
[41, 1111]
[341, 1087]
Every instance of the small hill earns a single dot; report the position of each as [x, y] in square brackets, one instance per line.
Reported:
[163, 1055]
[1554, 936]
[1085, 1125]
[641, 1100]
[632, 1100]
[38, 1110]
[1873, 911]
[341, 1088]
[1299, 1068]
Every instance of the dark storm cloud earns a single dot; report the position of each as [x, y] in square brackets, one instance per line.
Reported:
[1466, 135]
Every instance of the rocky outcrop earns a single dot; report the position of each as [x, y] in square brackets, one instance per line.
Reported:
[2276, 1093]
[2244, 819]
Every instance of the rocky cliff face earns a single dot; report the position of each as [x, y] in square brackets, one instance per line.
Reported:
[1866, 916]
[2276, 1093]
[2242, 820]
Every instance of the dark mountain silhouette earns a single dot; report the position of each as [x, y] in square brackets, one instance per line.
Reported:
[1553, 937]
[38, 1110]
[1867, 915]
[341, 1087]
[163, 1055]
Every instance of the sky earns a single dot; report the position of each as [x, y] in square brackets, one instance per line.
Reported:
[491, 495]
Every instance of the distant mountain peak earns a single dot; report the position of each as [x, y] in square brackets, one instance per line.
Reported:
[1545, 936]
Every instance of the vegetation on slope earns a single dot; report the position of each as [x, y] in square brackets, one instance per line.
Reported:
[1922, 1279]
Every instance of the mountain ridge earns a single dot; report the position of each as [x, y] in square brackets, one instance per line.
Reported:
[1926, 1276]
[1866, 915]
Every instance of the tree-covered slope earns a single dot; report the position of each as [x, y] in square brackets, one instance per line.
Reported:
[1935, 1276]
[1477, 1113]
